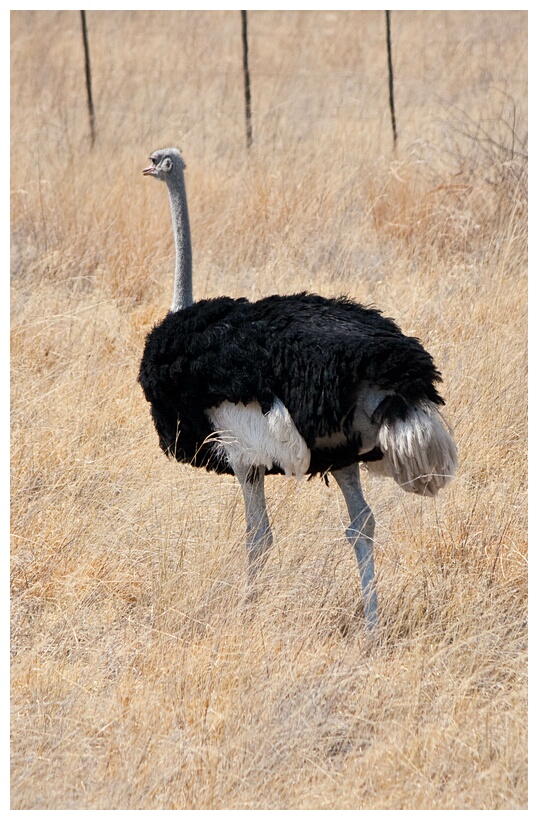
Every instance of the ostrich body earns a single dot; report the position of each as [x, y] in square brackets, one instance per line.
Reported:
[294, 384]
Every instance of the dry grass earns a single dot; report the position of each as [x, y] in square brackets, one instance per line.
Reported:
[139, 681]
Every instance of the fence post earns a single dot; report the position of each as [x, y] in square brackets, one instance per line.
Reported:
[391, 80]
[88, 76]
[247, 78]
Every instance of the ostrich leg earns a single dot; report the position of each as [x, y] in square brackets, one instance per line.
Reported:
[259, 536]
[360, 535]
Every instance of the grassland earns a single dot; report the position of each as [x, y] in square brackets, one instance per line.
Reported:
[138, 679]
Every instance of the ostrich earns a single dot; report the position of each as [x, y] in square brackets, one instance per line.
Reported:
[296, 384]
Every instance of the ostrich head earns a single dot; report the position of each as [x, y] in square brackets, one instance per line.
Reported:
[166, 164]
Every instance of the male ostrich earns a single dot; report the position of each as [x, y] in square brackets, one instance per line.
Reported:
[291, 384]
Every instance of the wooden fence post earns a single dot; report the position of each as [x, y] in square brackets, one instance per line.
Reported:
[391, 80]
[88, 76]
[247, 78]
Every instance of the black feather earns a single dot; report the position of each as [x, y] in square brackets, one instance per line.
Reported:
[311, 352]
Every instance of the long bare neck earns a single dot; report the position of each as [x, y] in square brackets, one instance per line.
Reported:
[182, 237]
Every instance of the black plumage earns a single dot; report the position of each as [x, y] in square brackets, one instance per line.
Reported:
[311, 352]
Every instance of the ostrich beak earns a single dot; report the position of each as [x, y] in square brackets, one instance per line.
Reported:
[149, 171]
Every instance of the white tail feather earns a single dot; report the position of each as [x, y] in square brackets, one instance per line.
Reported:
[418, 453]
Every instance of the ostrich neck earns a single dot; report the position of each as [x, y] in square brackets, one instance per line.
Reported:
[182, 236]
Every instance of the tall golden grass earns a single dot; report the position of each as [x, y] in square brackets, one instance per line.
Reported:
[139, 680]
